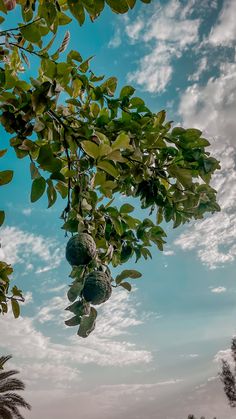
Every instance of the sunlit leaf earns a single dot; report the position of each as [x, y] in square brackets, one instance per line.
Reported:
[6, 177]
[2, 217]
[15, 308]
[87, 323]
[126, 285]
[37, 189]
[127, 273]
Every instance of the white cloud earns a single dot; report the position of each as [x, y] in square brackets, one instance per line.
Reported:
[224, 32]
[212, 109]
[166, 33]
[201, 68]
[27, 211]
[46, 363]
[28, 296]
[56, 289]
[133, 30]
[168, 252]
[191, 356]
[115, 42]
[225, 354]
[18, 246]
[103, 347]
[218, 290]
[104, 401]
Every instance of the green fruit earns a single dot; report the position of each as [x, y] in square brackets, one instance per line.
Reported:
[97, 287]
[80, 249]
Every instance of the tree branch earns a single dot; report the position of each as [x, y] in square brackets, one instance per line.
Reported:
[18, 28]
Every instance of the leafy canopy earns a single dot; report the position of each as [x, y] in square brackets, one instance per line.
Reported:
[93, 145]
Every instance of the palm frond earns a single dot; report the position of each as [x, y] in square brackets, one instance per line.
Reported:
[16, 400]
[14, 411]
[3, 360]
[5, 413]
[6, 374]
[10, 402]
[11, 384]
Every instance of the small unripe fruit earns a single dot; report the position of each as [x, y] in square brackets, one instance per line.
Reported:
[80, 249]
[97, 287]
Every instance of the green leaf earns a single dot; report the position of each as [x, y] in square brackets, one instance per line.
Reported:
[74, 291]
[109, 86]
[15, 308]
[94, 109]
[127, 273]
[47, 160]
[87, 323]
[37, 189]
[2, 152]
[74, 321]
[109, 168]
[79, 308]
[2, 217]
[90, 148]
[31, 33]
[184, 176]
[121, 142]
[126, 91]
[131, 3]
[126, 285]
[77, 10]
[126, 253]
[51, 193]
[63, 19]
[85, 65]
[3, 6]
[136, 102]
[34, 171]
[74, 55]
[6, 177]
[126, 208]
[120, 6]
[71, 226]
[160, 118]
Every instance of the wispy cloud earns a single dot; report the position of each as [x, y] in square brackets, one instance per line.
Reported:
[218, 290]
[27, 211]
[224, 32]
[212, 109]
[18, 246]
[116, 319]
[166, 33]
[48, 363]
[202, 66]
[115, 41]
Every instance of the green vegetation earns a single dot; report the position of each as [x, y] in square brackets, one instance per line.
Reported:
[97, 145]
[228, 377]
[10, 402]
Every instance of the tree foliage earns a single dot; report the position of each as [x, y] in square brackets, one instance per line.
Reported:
[10, 402]
[88, 143]
[228, 377]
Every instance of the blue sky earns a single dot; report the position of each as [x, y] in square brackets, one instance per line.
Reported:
[155, 352]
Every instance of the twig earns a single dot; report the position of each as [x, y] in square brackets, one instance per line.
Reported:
[18, 28]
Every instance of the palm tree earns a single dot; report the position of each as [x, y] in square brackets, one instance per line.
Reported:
[10, 401]
[228, 377]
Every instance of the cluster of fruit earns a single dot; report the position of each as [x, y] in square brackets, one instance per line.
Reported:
[80, 251]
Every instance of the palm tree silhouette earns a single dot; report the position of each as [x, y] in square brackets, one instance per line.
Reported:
[10, 401]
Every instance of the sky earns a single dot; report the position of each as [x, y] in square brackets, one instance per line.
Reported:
[156, 351]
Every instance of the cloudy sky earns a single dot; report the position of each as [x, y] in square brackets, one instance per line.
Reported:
[156, 352]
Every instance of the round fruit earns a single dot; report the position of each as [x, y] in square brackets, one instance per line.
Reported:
[97, 287]
[80, 249]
